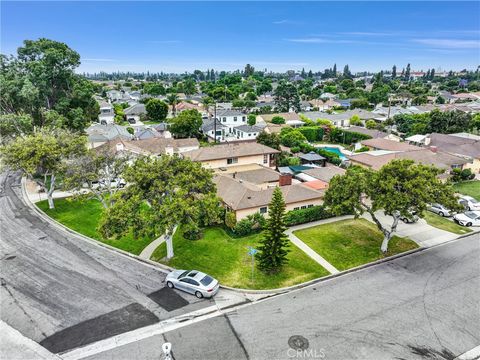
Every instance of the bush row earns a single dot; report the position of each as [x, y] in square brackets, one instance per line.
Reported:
[301, 216]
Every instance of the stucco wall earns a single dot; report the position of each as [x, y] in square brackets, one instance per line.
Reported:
[240, 214]
[245, 160]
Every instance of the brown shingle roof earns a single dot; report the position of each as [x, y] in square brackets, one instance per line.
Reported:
[257, 176]
[153, 146]
[238, 194]
[456, 144]
[325, 173]
[225, 151]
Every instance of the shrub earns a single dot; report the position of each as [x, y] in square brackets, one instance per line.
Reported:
[461, 175]
[301, 216]
[230, 219]
[362, 149]
[251, 224]
[312, 133]
[278, 120]
[291, 137]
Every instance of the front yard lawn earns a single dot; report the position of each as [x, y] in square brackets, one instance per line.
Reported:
[226, 259]
[83, 217]
[349, 243]
[444, 224]
[471, 188]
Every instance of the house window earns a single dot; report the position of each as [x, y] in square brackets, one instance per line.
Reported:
[265, 158]
[263, 210]
[304, 207]
[224, 119]
[456, 166]
[219, 132]
[232, 161]
[243, 118]
[296, 208]
[311, 205]
[234, 118]
[249, 134]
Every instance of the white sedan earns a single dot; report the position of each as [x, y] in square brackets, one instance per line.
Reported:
[194, 282]
[468, 218]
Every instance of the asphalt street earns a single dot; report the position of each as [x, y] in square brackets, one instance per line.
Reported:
[422, 306]
[64, 292]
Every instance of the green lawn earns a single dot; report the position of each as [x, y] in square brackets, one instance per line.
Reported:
[226, 259]
[83, 217]
[444, 224]
[471, 188]
[349, 243]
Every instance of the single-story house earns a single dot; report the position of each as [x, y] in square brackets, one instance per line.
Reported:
[246, 132]
[98, 134]
[133, 113]
[245, 198]
[107, 113]
[153, 146]
[323, 173]
[390, 145]
[234, 154]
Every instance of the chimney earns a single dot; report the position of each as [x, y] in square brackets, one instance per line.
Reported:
[285, 179]
[427, 141]
[119, 146]
[169, 150]
[234, 174]
[433, 149]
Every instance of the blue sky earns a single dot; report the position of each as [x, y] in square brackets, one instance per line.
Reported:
[183, 36]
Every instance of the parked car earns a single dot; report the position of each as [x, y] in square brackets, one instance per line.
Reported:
[469, 203]
[468, 218]
[413, 218]
[194, 282]
[439, 210]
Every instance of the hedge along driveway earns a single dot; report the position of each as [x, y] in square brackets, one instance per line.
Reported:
[349, 243]
[84, 217]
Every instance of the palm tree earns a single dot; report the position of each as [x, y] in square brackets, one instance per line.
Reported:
[172, 100]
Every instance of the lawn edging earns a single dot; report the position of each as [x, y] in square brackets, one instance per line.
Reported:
[60, 226]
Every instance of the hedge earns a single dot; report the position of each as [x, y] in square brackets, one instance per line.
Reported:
[301, 216]
[347, 137]
[312, 133]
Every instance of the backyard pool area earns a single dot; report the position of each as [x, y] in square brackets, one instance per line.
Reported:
[335, 150]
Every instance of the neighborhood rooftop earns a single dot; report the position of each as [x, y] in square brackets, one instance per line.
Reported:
[224, 151]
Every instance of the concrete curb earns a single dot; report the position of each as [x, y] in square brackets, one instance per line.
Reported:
[58, 225]
[166, 269]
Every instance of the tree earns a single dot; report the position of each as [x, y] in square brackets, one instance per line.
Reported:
[401, 188]
[270, 140]
[278, 120]
[249, 70]
[448, 122]
[157, 110]
[97, 171]
[346, 72]
[42, 77]
[162, 193]
[286, 97]
[172, 100]
[370, 124]
[13, 126]
[273, 250]
[356, 121]
[154, 89]
[186, 124]
[407, 73]
[334, 71]
[394, 71]
[252, 119]
[41, 156]
[292, 137]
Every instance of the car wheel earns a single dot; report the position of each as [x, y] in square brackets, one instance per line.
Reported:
[441, 214]
[198, 294]
[170, 284]
[469, 224]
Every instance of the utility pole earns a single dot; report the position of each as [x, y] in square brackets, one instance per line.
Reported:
[215, 122]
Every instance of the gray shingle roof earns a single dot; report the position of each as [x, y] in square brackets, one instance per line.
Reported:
[225, 151]
[100, 133]
[248, 128]
[137, 109]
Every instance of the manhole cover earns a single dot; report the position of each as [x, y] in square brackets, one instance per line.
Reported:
[298, 342]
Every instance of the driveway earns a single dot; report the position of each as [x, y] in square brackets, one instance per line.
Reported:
[65, 292]
[420, 232]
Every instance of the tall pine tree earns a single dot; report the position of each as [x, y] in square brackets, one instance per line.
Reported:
[273, 250]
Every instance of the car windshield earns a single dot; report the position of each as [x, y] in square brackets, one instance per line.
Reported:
[471, 214]
[206, 280]
[183, 274]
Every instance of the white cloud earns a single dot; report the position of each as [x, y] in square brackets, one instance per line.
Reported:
[286, 22]
[450, 43]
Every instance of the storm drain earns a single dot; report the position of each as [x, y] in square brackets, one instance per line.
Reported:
[168, 299]
[128, 318]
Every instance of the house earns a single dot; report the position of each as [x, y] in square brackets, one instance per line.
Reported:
[286, 115]
[114, 95]
[209, 127]
[231, 118]
[146, 133]
[258, 175]
[107, 113]
[245, 198]
[324, 174]
[135, 112]
[152, 146]
[305, 106]
[462, 144]
[373, 133]
[247, 132]
[328, 96]
[234, 154]
[98, 134]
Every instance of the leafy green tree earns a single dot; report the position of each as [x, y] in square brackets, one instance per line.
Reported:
[370, 124]
[157, 110]
[278, 120]
[273, 248]
[291, 137]
[249, 70]
[448, 122]
[42, 78]
[99, 171]
[399, 188]
[154, 89]
[270, 140]
[286, 97]
[356, 121]
[41, 156]
[163, 193]
[13, 126]
[173, 101]
[252, 119]
[394, 71]
[186, 124]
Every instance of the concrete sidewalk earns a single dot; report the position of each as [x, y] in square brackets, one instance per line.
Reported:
[150, 248]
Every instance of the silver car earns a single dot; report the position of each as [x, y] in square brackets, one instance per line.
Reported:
[194, 282]
[439, 210]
